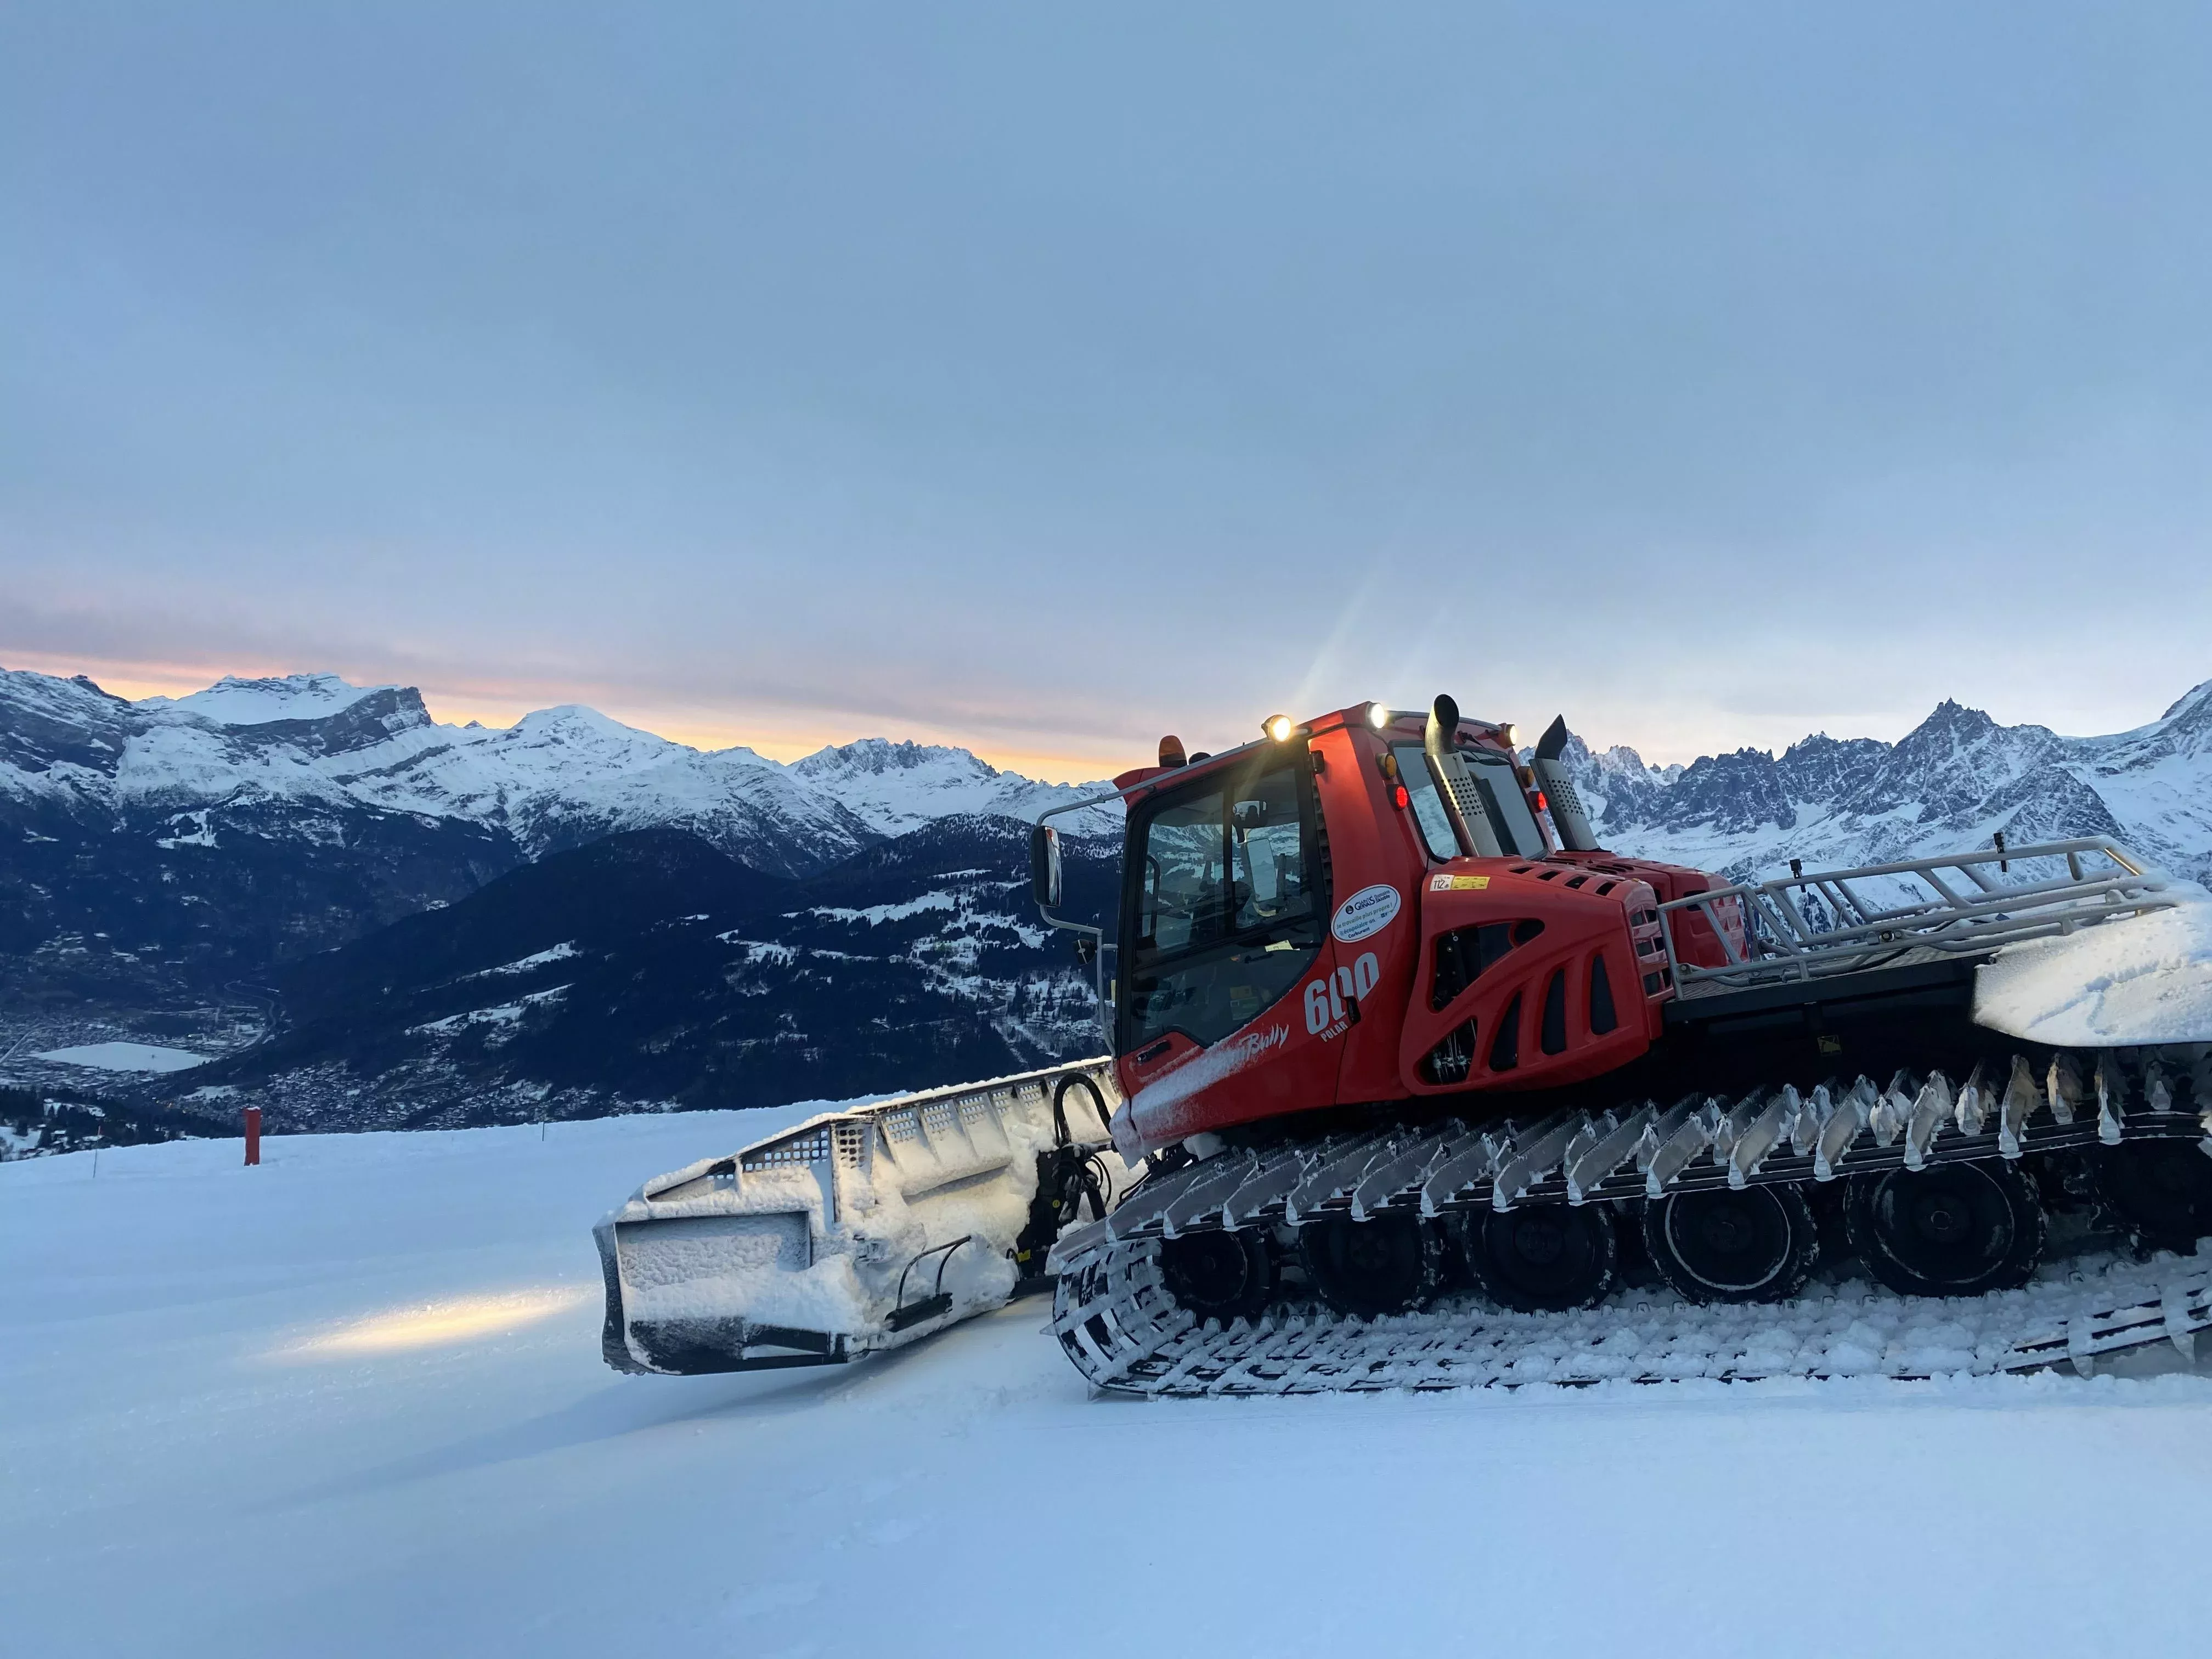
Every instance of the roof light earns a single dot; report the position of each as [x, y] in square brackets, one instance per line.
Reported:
[1281, 727]
[1505, 733]
[1379, 716]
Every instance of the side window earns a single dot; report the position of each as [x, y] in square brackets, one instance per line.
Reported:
[1509, 812]
[1226, 914]
[1182, 875]
[1428, 808]
[1267, 843]
[1495, 782]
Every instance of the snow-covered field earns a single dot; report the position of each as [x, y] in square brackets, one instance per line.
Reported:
[351, 1403]
[124, 1057]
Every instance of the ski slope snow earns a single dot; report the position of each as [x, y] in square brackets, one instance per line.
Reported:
[351, 1403]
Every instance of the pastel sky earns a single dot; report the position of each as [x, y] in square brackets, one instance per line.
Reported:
[1043, 378]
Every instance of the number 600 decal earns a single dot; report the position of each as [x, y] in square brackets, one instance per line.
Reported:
[1325, 997]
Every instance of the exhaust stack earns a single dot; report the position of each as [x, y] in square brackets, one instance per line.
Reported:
[1567, 815]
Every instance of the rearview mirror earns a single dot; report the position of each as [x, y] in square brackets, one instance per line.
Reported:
[1045, 879]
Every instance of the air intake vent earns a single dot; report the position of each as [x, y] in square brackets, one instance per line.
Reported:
[1465, 954]
[1602, 1016]
[1506, 1047]
[1555, 1035]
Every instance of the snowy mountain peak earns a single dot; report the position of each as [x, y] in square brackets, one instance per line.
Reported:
[232, 700]
[1953, 781]
[1825, 768]
[894, 787]
[878, 756]
[2182, 732]
[572, 726]
[2196, 701]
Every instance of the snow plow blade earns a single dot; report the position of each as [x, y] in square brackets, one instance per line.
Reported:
[857, 1230]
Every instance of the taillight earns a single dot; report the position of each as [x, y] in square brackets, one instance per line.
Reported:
[1402, 797]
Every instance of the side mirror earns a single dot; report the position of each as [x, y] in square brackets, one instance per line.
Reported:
[1046, 883]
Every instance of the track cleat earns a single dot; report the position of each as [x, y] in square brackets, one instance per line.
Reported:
[1892, 1110]
[1390, 1178]
[1272, 1184]
[1932, 1109]
[2022, 1101]
[1594, 1162]
[1842, 1128]
[1460, 1172]
[1764, 1133]
[2065, 1087]
[1973, 1104]
[2111, 1093]
[1533, 1158]
[1812, 1117]
[1691, 1136]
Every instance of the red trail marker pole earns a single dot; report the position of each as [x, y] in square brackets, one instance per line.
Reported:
[252, 1134]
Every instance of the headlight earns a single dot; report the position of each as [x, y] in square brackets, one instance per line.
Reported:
[1280, 727]
[1379, 716]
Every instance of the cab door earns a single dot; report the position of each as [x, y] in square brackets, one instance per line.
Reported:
[1224, 920]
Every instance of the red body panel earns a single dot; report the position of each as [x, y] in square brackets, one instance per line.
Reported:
[1695, 942]
[1579, 928]
[1359, 1025]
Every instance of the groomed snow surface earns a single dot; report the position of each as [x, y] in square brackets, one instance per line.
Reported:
[351, 1403]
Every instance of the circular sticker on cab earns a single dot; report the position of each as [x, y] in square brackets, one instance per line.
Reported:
[1365, 914]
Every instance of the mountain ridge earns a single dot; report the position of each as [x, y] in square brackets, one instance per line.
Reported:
[327, 867]
[1954, 781]
[556, 778]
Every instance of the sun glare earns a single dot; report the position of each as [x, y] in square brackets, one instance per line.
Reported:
[438, 1324]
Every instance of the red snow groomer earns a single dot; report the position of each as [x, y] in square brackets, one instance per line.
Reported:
[1392, 1029]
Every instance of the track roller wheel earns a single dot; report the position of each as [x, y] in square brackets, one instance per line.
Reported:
[1757, 1245]
[1390, 1265]
[2162, 1188]
[1544, 1259]
[1956, 1230]
[1219, 1275]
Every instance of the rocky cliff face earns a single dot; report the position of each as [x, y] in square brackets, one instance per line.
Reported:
[1953, 781]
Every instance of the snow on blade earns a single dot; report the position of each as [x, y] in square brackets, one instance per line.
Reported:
[2148, 980]
[837, 1230]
